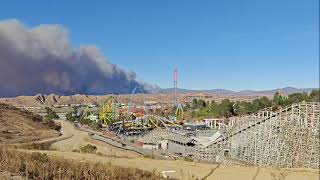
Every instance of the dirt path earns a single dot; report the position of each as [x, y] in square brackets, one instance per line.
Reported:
[79, 139]
[211, 172]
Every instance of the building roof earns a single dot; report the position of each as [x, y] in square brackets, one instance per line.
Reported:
[206, 141]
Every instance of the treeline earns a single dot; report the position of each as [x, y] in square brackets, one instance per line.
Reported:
[51, 114]
[202, 109]
[73, 116]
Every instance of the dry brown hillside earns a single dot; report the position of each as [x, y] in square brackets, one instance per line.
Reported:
[162, 99]
[52, 99]
[18, 126]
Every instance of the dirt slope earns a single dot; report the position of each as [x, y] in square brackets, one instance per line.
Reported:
[80, 139]
[17, 126]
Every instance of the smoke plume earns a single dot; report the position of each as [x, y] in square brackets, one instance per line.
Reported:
[42, 60]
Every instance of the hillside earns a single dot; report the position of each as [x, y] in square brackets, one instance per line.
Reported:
[225, 92]
[18, 126]
[52, 99]
[164, 96]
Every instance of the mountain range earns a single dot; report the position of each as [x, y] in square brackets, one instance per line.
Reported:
[225, 92]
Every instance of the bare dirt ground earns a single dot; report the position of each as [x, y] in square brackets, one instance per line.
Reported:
[17, 127]
[182, 169]
[80, 139]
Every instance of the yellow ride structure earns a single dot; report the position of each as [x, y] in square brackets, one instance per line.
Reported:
[179, 112]
[108, 111]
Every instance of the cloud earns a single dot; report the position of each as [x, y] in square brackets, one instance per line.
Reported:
[41, 60]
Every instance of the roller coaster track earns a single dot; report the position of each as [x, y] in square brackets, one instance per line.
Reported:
[287, 138]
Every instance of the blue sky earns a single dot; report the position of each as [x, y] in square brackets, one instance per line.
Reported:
[232, 44]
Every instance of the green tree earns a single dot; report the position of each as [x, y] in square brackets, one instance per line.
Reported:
[194, 103]
[70, 117]
[265, 102]
[314, 95]
[297, 97]
[256, 104]
[240, 108]
[279, 100]
[226, 108]
[201, 104]
[51, 114]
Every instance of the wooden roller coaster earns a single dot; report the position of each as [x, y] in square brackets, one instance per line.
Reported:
[287, 138]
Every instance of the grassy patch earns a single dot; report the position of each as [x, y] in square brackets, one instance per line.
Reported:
[40, 166]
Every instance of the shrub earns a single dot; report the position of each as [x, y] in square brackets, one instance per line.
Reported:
[189, 159]
[148, 156]
[51, 114]
[41, 157]
[52, 125]
[88, 149]
[34, 146]
[95, 126]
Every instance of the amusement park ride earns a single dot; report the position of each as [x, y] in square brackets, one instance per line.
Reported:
[132, 119]
[109, 111]
[177, 105]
